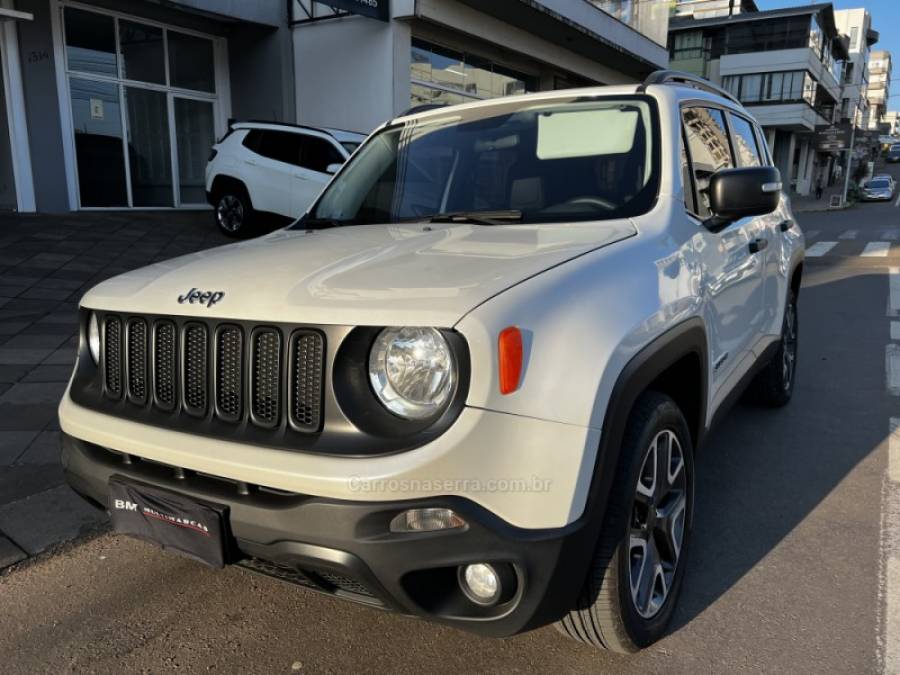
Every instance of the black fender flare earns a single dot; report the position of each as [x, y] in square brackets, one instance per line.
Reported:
[684, 339]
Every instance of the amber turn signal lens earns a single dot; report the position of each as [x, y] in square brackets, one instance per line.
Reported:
[510, 353]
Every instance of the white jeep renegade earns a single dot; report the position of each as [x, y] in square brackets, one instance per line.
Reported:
[469, 384]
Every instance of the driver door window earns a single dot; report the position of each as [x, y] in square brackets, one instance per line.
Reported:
[708, 148]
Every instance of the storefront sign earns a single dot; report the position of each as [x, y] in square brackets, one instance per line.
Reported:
[375, 9]
[835, 137]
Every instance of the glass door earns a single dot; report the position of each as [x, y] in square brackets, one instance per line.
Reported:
[194, 136]
[149, 157]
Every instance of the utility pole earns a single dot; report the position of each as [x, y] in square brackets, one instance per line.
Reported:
[849, 160]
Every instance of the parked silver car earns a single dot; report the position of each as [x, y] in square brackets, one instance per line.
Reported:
[880, 188]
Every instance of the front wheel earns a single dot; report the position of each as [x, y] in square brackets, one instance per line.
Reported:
[234, 214]
[631, 590]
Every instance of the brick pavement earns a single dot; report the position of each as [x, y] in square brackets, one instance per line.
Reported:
[47, 262]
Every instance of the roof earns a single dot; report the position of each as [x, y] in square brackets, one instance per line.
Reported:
[825, 8]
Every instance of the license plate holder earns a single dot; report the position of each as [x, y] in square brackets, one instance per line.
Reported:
[174, 522]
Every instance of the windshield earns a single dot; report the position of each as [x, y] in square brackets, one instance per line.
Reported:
[877, 184]
[350, 146]
[569, 159]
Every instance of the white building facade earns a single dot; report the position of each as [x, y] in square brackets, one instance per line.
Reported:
[785, 65]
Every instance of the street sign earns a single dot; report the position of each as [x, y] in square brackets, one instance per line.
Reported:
[835, 137]
[375, 9]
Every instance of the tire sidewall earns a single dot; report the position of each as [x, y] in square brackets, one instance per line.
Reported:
[644, 632]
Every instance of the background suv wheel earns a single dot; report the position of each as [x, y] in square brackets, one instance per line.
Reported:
[234, 213]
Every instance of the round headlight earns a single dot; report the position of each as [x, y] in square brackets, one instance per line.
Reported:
[94, 338]
[412, 371]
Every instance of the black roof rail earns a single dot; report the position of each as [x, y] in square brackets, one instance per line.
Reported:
[423, 107]
[687, 79]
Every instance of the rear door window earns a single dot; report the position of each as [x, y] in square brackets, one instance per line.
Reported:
[708, 148]
[282, 146]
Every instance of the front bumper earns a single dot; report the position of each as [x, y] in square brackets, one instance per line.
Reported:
[346, 548]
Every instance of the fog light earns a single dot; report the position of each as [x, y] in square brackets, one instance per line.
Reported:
[426, 520]
[481, 583]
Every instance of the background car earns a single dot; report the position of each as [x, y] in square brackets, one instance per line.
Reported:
[262, 168]
[879, 188]
[893, 154]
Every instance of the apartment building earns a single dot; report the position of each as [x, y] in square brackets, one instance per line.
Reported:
[785, 65]
[857, 25]
[878, 91]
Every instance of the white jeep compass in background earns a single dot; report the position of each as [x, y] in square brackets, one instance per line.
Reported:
[470, 383]
[271, 168]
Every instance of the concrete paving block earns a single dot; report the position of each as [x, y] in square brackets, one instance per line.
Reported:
[38, 522]
[10, 554]
[13, 444]
[44, 449]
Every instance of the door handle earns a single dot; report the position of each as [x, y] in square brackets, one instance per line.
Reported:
[785, 225]
[758, 245]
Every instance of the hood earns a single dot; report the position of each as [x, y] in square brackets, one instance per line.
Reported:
[411, 274]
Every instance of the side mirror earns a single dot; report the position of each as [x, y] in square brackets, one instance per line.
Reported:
[333, 168]
[740, 193]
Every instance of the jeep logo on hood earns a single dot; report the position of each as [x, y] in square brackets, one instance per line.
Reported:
[208, 298]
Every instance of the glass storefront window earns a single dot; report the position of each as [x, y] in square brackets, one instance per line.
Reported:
[191, 62]
[137, 144]
[194, 135]
[149, 155]
[441, 75]
[143, 55]
[90, 42]
[97, 118]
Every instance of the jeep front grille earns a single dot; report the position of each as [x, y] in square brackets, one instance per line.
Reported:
[264, 376]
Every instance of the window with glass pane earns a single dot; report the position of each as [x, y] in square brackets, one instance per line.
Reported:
[97, 120]
[149, 155]
[745, 146]
[751, 88]
[282, 146]
[422, 94]
[90, 42]
[194, 136]
[709, 149]
[143, 56]
[316, 154]
[191, 62]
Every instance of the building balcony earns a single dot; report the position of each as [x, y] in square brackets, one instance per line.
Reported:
[783, 60]
[792, 116]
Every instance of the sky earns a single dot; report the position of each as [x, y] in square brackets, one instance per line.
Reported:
[885, 19]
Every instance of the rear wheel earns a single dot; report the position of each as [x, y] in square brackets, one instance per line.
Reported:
[774, 385]
[636, 574]
[234, 214]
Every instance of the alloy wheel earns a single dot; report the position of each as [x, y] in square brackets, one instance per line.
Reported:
[230, 213]
[656, 528]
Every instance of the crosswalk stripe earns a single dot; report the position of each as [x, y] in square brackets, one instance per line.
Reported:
[876, 249]
[819, 249]
[894, 283]
[849, 234]
[891, 235]
[811, 234]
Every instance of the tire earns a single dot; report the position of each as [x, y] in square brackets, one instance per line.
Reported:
[609, 614]
[774, 385]
[234, 213]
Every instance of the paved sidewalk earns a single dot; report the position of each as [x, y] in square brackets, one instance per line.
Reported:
[46, 265]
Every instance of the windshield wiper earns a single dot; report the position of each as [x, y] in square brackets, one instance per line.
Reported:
[311, 223]
[477, 217]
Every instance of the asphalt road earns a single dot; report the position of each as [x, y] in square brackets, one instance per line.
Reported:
[787, 571]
